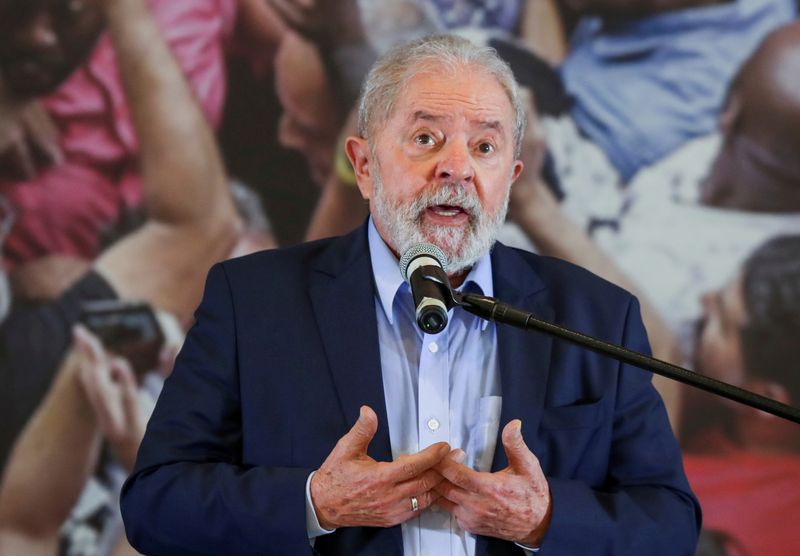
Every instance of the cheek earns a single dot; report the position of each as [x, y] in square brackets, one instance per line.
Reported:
[493, 194]
[402, 180]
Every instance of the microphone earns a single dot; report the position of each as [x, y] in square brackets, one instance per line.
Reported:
[424, 267]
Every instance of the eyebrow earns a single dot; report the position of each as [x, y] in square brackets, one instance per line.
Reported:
[431, 117]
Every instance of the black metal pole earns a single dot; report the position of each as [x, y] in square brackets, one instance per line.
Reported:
[491, 309]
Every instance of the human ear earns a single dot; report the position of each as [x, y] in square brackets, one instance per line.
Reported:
[517, 170]
[358, 152]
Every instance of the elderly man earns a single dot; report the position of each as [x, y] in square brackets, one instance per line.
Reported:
[248, 450]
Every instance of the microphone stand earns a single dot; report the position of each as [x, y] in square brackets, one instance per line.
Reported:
[489, 308]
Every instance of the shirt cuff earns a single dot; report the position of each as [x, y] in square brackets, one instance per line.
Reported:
[312, 523]
[527, 549]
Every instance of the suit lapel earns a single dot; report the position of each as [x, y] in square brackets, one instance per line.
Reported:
[524, 356]
[343, 296]
[524, 359]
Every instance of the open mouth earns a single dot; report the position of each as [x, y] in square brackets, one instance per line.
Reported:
[447, 210]
[447, 214]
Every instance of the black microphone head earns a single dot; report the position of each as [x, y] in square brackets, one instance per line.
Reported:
[420, 250]
[417, 265]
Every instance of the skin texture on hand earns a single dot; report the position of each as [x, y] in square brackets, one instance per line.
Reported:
[351, 489]
[110, 386]
[513, 504]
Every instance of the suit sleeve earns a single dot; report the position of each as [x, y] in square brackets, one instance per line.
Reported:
[645, 505]
[189, 492]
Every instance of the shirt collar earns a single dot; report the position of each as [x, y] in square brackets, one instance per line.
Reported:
[389, 282]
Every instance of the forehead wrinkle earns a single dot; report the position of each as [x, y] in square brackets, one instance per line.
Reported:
[448, 98]
[479, 115]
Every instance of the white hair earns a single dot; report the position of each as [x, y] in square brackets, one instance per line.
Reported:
[389, 76]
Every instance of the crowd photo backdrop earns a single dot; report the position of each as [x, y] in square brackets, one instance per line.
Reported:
[141, 141]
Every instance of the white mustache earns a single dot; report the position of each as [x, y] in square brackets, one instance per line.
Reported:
[452, 194]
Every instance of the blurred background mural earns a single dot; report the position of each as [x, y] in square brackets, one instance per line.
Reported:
[143, 140]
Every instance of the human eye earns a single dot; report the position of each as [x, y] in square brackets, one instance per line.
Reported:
[424, 139]
[486, 147]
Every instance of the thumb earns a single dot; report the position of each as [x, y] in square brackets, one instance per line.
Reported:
[519, 456]
[358, 438]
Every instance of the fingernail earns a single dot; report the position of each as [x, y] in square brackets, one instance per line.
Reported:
[459, 455]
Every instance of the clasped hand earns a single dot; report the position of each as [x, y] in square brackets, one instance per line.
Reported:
[351, 489]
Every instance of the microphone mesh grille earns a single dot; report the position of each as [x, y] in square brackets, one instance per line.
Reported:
[421, 249]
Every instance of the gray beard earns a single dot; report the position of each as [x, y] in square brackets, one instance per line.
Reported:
[463, 246]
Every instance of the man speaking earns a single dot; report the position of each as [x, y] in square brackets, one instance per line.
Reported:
[307, 412]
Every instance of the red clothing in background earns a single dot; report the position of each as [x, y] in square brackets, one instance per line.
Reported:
[754, 499]
[63, 209]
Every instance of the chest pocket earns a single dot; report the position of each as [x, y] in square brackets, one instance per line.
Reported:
[572, 443]
[577, 416]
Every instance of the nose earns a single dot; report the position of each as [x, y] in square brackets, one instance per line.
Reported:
[455, 163]
[38, 33]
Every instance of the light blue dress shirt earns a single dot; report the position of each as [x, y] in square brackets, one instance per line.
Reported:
[442, 387]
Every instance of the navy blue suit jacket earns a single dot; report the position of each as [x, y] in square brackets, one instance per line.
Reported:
[285, 350]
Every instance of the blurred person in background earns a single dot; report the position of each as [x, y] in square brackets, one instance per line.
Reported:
[191, 221]
[93, 400]
[70, 161]
[686, 224]
[60, 491]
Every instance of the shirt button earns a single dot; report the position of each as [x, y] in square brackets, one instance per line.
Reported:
[433, 424]
[433, 347]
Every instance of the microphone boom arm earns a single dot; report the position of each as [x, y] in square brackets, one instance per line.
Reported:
[492, 309]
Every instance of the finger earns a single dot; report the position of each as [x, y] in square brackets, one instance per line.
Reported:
[423, 483]
[520, 458]
[403, 509]
[410, 466]
[87, 343]
[453, 493]
[96, 379]
[122, 373]
[357, 439]
[92, 356]
[460, 475]
[43, 134]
